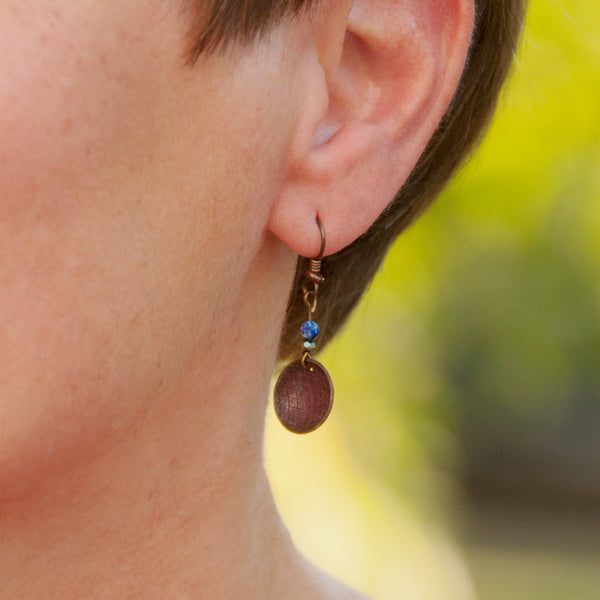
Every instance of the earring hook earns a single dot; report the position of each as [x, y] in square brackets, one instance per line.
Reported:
[323, 239]
[313, 274]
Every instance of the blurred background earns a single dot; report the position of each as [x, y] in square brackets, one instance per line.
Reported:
[462, 459]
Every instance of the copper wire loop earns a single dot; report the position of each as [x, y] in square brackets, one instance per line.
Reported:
[303, 361]
[310, 301]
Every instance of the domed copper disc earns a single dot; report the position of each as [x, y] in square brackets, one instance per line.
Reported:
[303, 397]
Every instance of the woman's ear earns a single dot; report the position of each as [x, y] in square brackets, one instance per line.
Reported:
[379, 77]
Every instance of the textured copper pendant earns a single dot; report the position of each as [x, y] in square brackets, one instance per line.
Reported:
[303, 396]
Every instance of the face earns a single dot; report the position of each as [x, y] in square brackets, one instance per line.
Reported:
[128, 209]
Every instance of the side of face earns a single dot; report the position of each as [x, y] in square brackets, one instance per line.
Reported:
[136, 191]
[128, 186]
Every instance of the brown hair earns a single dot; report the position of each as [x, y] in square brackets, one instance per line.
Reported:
[348, 273]
[242, 21]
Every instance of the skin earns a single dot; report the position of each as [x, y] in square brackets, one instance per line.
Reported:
[88, 211]
[145, 265]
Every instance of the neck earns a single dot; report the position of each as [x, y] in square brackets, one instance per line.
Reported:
[172, 530]
[179, 508]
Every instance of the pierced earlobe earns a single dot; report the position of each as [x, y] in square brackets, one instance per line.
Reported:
[375, 82]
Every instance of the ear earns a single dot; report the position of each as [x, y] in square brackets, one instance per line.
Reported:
[378, 79]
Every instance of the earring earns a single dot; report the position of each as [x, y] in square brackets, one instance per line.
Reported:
[303, 393]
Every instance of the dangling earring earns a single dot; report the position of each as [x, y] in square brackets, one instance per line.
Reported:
[303, 393]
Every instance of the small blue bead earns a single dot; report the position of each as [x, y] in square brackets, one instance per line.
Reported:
[310, 330]
[310, 346]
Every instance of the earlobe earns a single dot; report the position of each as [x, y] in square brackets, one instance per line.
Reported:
[382, 89]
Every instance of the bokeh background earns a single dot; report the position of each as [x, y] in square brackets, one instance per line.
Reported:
[463, 456]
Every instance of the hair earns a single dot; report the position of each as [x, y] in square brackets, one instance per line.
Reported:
[241, 21]
[496, 34]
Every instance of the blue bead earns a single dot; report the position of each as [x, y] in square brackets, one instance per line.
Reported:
[310, 330]
[310, 346]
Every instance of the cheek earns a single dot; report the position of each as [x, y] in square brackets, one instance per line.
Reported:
[65, 95]
[76, 308]
[124, 224]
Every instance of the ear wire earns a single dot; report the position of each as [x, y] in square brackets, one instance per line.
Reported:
[303, 394]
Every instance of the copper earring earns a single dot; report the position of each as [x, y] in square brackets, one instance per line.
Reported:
[303, 394]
